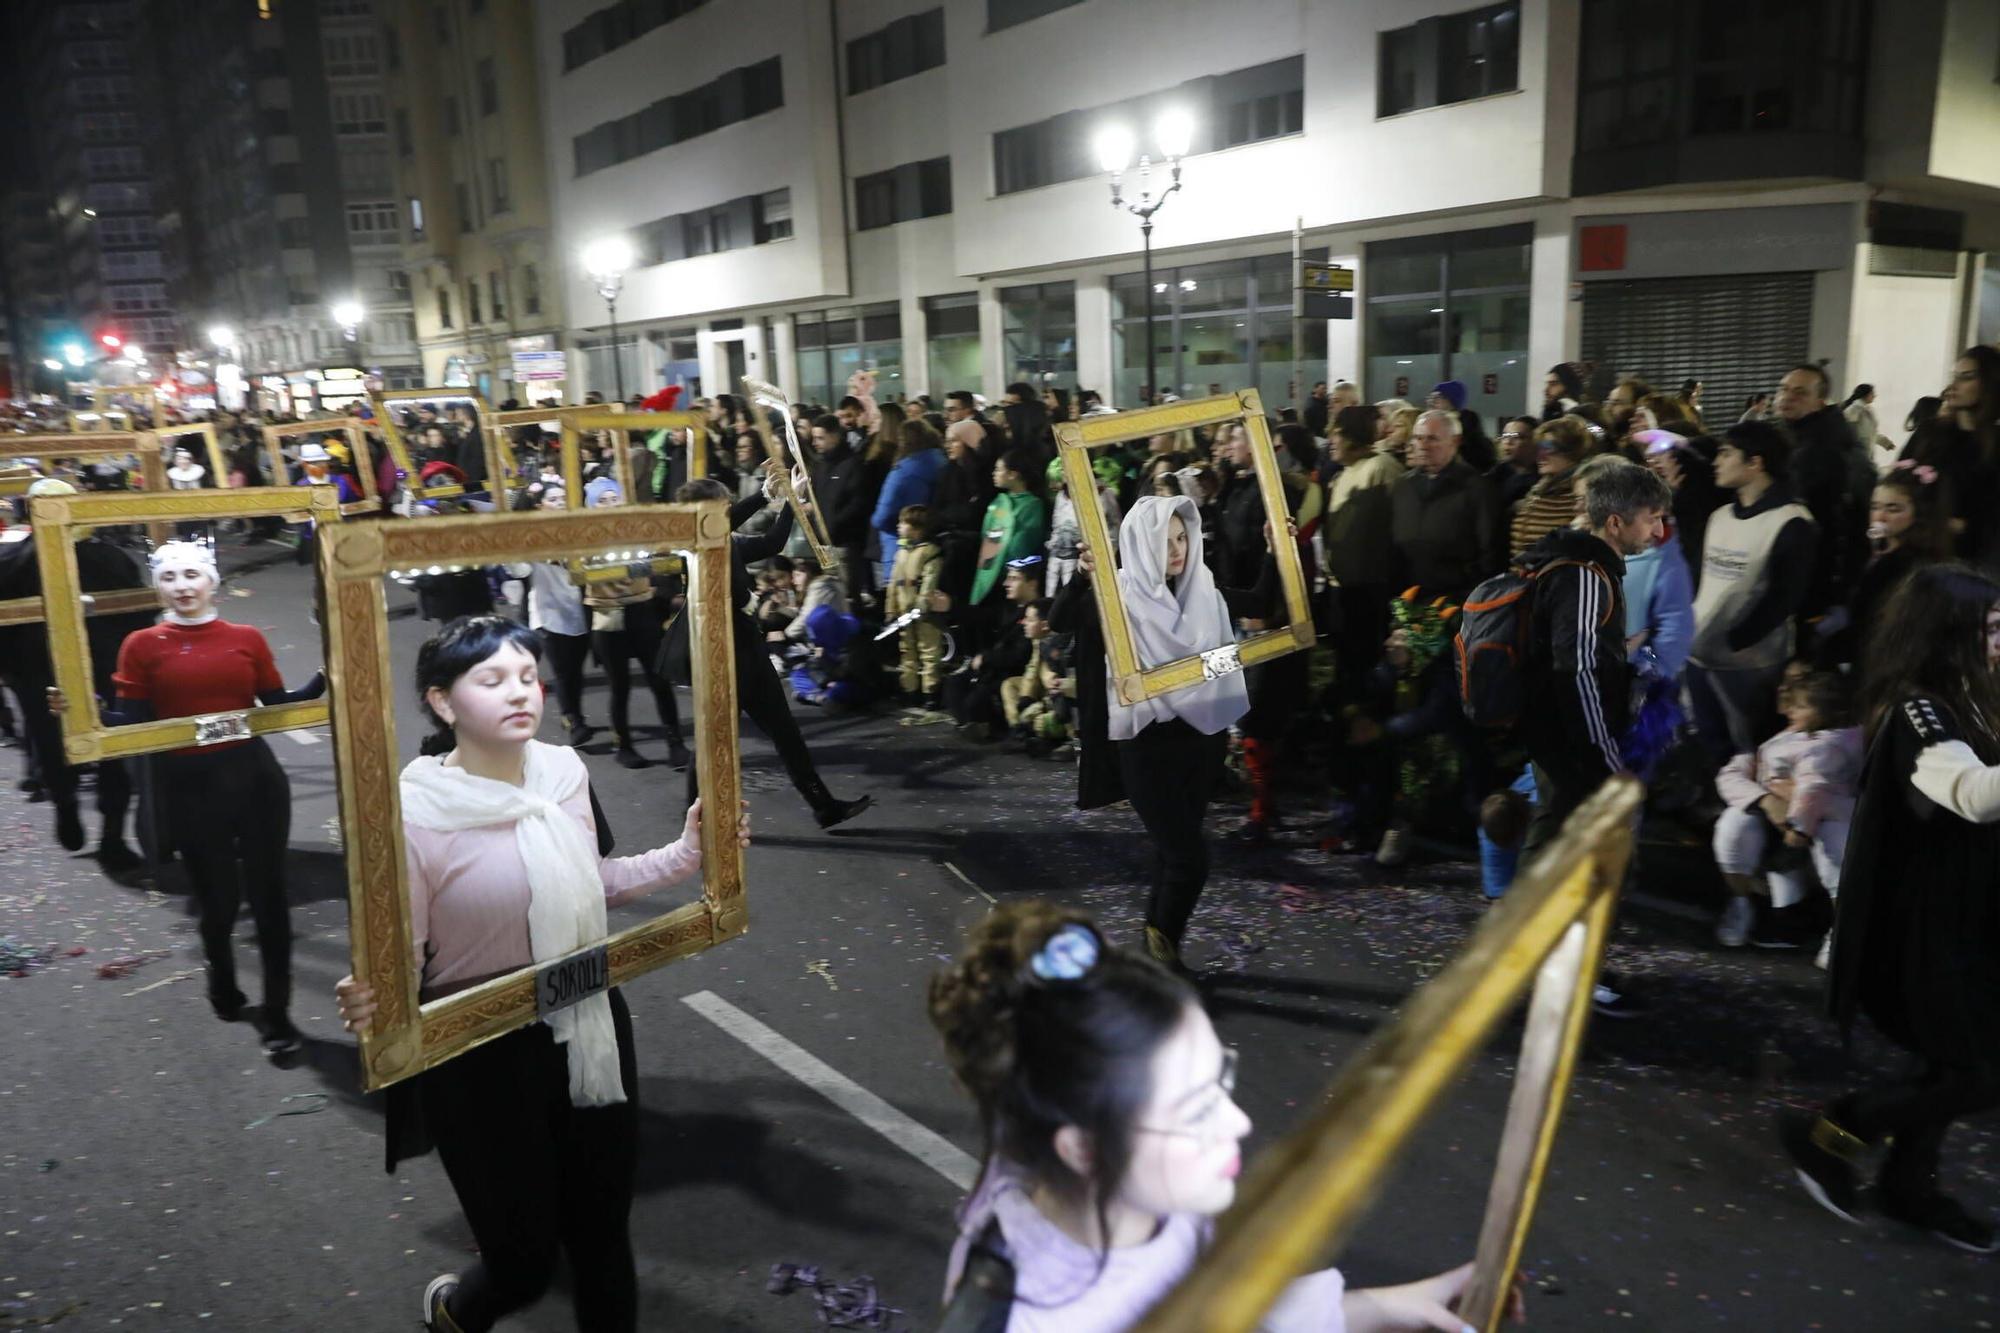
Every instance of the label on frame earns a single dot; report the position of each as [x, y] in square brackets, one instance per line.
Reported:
[569, 980]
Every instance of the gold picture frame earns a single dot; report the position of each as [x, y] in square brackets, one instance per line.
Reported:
[613, 419]
[101, 409]
[406, 1036]
[500, 459]
[218, 467]
[85, 736]
[357, 447]
[98, 444]
[811, 522]
[399, 448]
[1076, 439]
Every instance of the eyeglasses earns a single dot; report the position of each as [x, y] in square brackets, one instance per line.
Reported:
[1203, 1121]
[1512, 435]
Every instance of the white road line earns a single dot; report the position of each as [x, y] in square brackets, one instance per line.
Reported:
[304, 737]
[927, 1146]
[969, 884]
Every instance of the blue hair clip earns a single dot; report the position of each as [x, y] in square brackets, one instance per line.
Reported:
[1068, 954]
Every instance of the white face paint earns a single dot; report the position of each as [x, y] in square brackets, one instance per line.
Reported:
[186, 588]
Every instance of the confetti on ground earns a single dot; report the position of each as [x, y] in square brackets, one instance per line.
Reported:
[854, 1304]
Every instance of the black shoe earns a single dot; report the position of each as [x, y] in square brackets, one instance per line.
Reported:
[1943, 1217]
[228, 1004]
[839, 812]
[117, 858]
[28, 784]
[280, 1037]
[1823, 1156]
[677, 754]
[576, 731]
[1168, 954]
[37, 795]
[1794, 927]
[628, 757]
[437, 1310]
[1251, 832]
[69, 828]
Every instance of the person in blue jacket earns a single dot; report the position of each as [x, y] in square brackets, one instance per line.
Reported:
[912, 479]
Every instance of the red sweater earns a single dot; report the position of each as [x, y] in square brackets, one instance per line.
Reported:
[190, 670]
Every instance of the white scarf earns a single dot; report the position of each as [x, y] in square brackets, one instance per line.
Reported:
[566, 903]
[1169, 623]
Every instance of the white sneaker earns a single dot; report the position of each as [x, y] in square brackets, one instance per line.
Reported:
[1395, 848]
[1732, 929]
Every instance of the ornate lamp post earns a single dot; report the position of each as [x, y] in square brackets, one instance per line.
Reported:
[1173, 133]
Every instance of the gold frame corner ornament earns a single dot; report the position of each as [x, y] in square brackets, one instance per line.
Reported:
[408, 1036]
[86, 738]
[1075, 441]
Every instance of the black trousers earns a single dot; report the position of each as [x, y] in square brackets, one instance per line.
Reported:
[615, 650]
[1364, 627]
[535, 1175]
[566, 657]
[1170, 771]
[42, 735]
[1917, 1111]
[224, 809]
[760, 696]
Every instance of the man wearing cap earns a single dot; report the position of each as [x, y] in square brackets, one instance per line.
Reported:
[1473, 445]
[972, 696]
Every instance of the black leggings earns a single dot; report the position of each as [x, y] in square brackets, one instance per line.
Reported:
[615, 650]
[222, 807]
[566, 657]
[1917, 1111]
[41, 732]
[761, 697]
[1170, 771]
[535, 1175]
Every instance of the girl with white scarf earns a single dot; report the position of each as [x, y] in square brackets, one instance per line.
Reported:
[1171, 748]
[538, 1130]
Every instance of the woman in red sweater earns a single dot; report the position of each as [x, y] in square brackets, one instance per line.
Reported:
[226, 802]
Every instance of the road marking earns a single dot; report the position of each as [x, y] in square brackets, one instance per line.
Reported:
[304, 737]
[970, 885]
[927, 1146]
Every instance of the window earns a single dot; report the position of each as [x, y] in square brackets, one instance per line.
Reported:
[392, 47]
[951, 331]
[531, 289]
[465, 219]
[900, 194]
[1451, 58]
[1226, 324]
[472, 302]
[617, 24]
[404, 144]
[833, 344]
[496, 183]
[358, 113]
[1246, 105]
[350, 54]
[1007, 13]
[489, 88]
[707, 232]
[444, 307]
[451, 115]
[736, 96]
[1450, 307]
[373, 223]
[773, 220]
[493, 301]
[417, 222]
[908, 46]
[399, 282]
[1039, 325]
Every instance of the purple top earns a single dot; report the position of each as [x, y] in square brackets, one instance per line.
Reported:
[1059, 1289]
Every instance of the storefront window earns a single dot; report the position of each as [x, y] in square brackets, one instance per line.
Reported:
[1451, 307]
[951, 332]
[1217, 328]
[831, 345]
[1039, 324]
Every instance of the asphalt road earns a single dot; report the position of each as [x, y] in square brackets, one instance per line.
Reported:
[143, 1182]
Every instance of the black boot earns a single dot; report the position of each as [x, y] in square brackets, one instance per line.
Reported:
[678, 757]
[116, 857]
[69, 826]
[628, 757]
[839, 812]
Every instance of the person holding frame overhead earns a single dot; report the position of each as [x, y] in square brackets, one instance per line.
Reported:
[509, 865]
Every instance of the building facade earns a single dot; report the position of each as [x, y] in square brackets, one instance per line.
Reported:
[472, 197]
[278, 197]
[1674, 191]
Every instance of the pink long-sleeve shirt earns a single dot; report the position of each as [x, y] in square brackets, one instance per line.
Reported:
[469, 896]
[1825, 768]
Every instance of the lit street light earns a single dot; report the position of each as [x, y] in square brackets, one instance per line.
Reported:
[1173, 135]
[221, 337]
[605, 260]
[73, 353]
[135, 354]
[52, 364]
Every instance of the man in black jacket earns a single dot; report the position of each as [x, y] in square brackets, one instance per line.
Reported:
[1834, 477]
[1444, 523]
[840, 494]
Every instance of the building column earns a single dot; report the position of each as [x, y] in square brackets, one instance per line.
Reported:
[783, 369]
[992, 343]
[916, 343]
[1554, 319]
[1094, 365]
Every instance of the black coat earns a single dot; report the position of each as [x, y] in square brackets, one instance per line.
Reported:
[1916, 936]
[1445, 531]
[1833, 476]
[1972, 487]
[747, 640]
[1099, 782]
[835, 474]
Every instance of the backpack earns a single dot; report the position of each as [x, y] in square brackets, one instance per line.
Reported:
[1494, 629]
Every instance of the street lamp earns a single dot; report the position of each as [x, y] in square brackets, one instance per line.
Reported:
[51, 363]
[1173, 134]
[605, 260]
[222, 337]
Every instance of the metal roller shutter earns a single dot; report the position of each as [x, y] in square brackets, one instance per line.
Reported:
[1738, 334]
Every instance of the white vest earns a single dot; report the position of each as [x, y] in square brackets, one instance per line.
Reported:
[1735, 570]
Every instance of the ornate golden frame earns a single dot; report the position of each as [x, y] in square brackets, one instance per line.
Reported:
[500, 459]
[98, 444]
[596, 418]
[85, 737]
[100, 404]
[1075, 440]
[357, 445]
[811, 522]
[407, 1037]
[399, 448]
[218, 467]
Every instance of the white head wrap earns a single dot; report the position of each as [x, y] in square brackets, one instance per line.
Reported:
[1172, 622]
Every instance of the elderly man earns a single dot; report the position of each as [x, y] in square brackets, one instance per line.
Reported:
[1833, 477]
[1444, 524]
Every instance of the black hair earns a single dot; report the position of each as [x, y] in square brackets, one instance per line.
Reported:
[1359, 425]
[829, 423]
[963, 397]
[851, 402]
[1922, 412]
[1040, 606]
[1860, 391]
[1829, 694]
[456, 649]
[1022, 389]
[1931, 641]
[1298, 442]
[1037, 1055]
[1766, 440]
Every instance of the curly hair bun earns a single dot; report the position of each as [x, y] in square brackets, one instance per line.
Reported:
[973, 1002]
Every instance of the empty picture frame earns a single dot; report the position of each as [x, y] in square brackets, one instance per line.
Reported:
[765, 396]
[57, 518]
[138, 445]
[402, 450]
[1136, 680]
[209, 451]
[500, 457]
[98, 415]
[611, 566]
[406, 1036]
[358, 449]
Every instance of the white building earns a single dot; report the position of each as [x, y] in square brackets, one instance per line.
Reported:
[910, 185]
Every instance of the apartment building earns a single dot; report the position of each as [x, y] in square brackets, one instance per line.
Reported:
[1669, 190]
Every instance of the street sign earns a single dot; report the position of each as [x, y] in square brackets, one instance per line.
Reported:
[532, 366]
[1326, 278]
[1326, 291]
